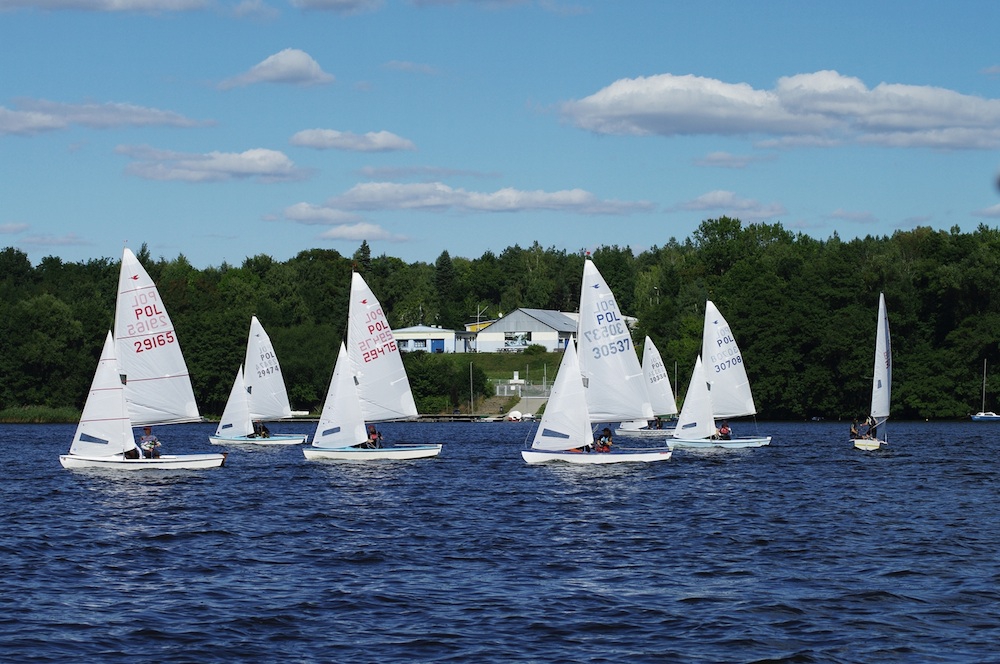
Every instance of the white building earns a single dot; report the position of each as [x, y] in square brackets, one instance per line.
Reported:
[426, 338]
[526, 327]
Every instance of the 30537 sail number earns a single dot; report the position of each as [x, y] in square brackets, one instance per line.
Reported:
[613, 348]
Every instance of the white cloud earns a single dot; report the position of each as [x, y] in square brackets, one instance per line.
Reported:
[309, 214]
[824, 107]
[419, 172]
[33, 116]
[340, 6]
[361, 231]
[151, 6]
[331, 139]
[258, 164]
[68, 240]
[729, 204]
[992, 212]
[436, 196]
[288, 66]
[12, 228]
[727, 160]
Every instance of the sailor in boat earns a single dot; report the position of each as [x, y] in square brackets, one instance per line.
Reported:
[872, 424]
[725, 433]
[374, 438]
[150, 444]
[604, 442]
[855, 434]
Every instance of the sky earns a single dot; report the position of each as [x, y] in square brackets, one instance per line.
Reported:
[223, 129]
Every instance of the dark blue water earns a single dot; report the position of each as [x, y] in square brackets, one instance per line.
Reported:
[805, 551]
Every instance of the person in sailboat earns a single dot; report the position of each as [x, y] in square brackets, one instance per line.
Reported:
[872, 426]
[604, 441]
[260, 430]
[374, 437]
[150, 444]
[725, 433]
[855, 434]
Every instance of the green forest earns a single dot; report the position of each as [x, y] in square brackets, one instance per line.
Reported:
[802, 310]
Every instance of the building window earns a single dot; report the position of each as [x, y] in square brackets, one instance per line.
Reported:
[420, 343]
[516, 339]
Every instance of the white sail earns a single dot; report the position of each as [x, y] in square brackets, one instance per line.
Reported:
[375, 360]
[661, 396]
[236, 416]
[613, 380]
[158, 387]
[265, 384]
[696, 419]
[341, 423]
[565, 423]
[882, 379]
[724, 368]
[105, 428]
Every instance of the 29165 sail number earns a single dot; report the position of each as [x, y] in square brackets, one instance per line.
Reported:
[155, 341]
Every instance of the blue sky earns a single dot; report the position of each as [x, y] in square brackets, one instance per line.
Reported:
[221, 130]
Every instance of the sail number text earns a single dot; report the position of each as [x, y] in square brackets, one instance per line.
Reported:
[613, 348]
[153, 341]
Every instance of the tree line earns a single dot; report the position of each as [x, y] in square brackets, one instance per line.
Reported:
[802, 310]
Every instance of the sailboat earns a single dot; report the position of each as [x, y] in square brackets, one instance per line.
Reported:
[104, 437]
[369, 384]
[881, 382]
[661, 397]
[258, 394]
[613, 386]
[721, 367]
[154, 377]
[985, 415]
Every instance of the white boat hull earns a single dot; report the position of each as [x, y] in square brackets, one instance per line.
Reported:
[707, 443]
[543, 456]
[165, 462]
[395, 453]
[644, 433]
[987, 416]
[280, 439]
[868, 444]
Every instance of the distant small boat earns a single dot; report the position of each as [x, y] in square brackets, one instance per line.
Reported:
[661, 398]
[985, 415]
[881, 382]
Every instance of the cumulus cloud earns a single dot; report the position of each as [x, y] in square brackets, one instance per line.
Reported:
[68, 240]
[340, 6]
[729, 204]
[310, 214]
[992, 212]
[257, 164]
[291, 66]
[12, 228]
[33, 116]
[727, 160]
[436, 196]
[821, 107]
[361, 231]
[418, 172]
[331, 139]
[150, 6]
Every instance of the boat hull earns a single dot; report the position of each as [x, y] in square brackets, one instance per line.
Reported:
[280, 439]
[645, 456]
[707, 443]
[165, 462]
[395, 453]
[868, 444]
[986, 417]
[644, 433]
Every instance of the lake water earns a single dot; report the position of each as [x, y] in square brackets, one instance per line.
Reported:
[804, 551]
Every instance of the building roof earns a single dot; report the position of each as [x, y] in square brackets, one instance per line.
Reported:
[554, 320]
